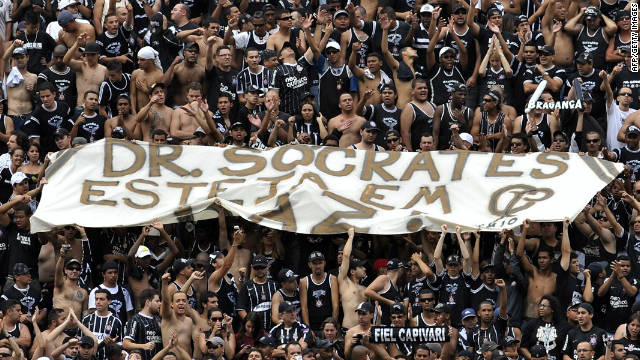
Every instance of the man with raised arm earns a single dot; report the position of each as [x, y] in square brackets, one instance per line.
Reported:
[174, 318]
[349, 277]
[67, 293]
[221, 282]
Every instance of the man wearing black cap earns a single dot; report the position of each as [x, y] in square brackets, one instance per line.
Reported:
[181, 271]
[47, 118]
[255, 295]
[546, 70]
[22, 291]
[451, 277]
[289, 329]
[251, 108]
[319, 296]
[368, 135]
[454, 112]
[585, 331]
[591, 82]
[629, 154]
[182, 72]
[627, 78]
[288, 293]
[538, 352]
[384, 289]
[365, 311]
[67, 291]
[120, 304]
[591, 36]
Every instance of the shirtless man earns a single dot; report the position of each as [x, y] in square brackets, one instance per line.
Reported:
[419, 111]
[365, 80]
[542, 279]
[561, 39]
[284, 34]
[123, 119]
[349, 277]
[89, 74]
[155, 114]
[149, 73]
[19, 94]
[182, 73]
[347, 122]
[72, 30]
[174, 318]
[67, 294]
[186, 119]
[403, 71]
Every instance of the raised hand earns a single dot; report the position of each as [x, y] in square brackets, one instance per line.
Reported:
[500, 283]
[443, 227]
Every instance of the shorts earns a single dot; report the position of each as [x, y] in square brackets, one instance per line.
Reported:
[19, 120]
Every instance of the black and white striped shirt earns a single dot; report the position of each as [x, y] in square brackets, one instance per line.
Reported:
[292, 82]
[103, 327]
[142, 329]
[248, 79]
[257, 298]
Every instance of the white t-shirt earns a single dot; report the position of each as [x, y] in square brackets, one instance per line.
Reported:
[242, 39]
[113, 291]
[615, 120]
[54, 28]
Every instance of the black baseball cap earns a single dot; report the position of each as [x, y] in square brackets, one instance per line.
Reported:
[316, 255]
[355, 263]
[259, 261]
[370, 125]
[366, 306]
[394, 264]
[287, 275]
[453, 260]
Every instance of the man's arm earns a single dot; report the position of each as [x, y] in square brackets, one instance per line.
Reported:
[335, 296]
[378, 285]
[98, 7]
[343, 272]
[304, 309]
[165, 309]
[526, 265]
[437, 253]
[565, 260]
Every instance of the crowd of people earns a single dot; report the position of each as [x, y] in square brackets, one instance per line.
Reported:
[391, 75]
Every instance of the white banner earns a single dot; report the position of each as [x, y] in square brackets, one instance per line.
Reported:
[315, 190]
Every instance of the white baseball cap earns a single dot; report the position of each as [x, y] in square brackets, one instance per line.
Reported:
[143, 251]
[17, 178]
[426, 8]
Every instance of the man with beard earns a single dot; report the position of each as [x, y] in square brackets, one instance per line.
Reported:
[67, 293]
[453, 112]
[368, 135]
[47, 118]
[490, 329]
[591, 82]
[89, 124]
[351, 273]
[348, 123]
[182, 73]
[173, 312]
[62, 76]
[319, 297]
[426, 316]
[143, 332]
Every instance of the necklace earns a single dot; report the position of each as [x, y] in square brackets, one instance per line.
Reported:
[34, 38]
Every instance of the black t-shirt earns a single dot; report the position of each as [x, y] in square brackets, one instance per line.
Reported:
[485, 35]
[549, 335]
[110, 91]
[591, 83]
[24, 247]
[65, 82]
[116, 45]
[630, 80]
[38, 46]
[534, 76]
[619, 303]
[292, 81]
[92, 129]
[142, 329]
[170, 43]
[596, 336]
[221, 82]
[43, 123]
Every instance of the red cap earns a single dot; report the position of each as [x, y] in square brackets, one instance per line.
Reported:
[380, 263]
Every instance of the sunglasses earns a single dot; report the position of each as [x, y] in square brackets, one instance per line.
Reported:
[625, 94]
[331, 52]
[286, 18]
[427, 299]
[211, 346]
[516, 144]
[488, 100]
[214, 319]
[392, 139]
[592, 141]
[624, 18]
[259, 25]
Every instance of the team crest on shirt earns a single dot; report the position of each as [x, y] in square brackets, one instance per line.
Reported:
[108, 328]
[593, 339]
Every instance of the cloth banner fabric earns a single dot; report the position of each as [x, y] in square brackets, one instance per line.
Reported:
[421, 335]
[313, 189]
